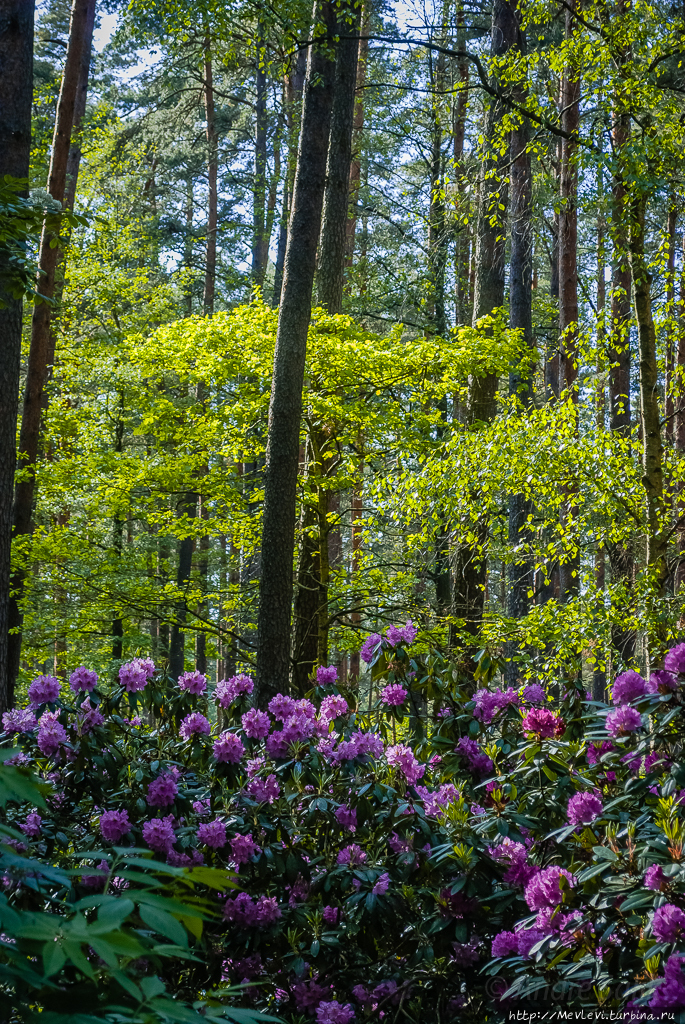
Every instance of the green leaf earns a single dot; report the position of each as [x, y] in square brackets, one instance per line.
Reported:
[165, 924]
[112, 915]
[54, 958]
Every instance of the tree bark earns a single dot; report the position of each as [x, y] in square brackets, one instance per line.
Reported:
[185, 563]
[285, 406]
[671, 224]
[358, 125]
[331, 269]
[292, 93]
[16, 91]
[212, 169]
[62, 187]
[260, 244]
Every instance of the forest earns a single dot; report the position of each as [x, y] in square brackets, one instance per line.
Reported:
[342, 507]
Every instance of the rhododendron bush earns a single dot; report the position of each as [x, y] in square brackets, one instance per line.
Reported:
[443, 854]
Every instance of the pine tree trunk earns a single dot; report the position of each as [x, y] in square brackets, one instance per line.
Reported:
[671, 225]
[187, 508]
[212, 170]
[358, 125]
[292, 93]
[599, 679]
[331, 269]
[260, 248]
[285, 407]
[62, 187]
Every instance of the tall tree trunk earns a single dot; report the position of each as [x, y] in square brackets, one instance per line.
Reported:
[521, 318]
[599, 678]
[212, 169]
[652, 447]
[188, 508]
[459, 112]
[671, 224]
[469, 561]
[292, 94]
[679, 426]
[358, 125]
[62, 187]
[260, 247]
[330, 272]
[285, 406]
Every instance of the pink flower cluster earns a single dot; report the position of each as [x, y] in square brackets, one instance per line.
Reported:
[19, 720]
[435, 801]
[212, 833]
[544, 890]
[675, 660]
[250, 913]
[533, 694]
[360, 744]
[162, 791]
[228, 747]
[670, 993]
[264, 791]
[347, 816]
[334, 1012]
[489, 702]
[370, 647]
[194, 724]
[89, 717]
[584, 808]
[32, 825]
[402, 757]
[51, 734]
[542, 723]
[244, 848]
[228, 690]
[299, 724]
[478, 762]
[83, 680]
[352, 855]
[668, 923]
[333, 707]
[193, 682]
[629, 686]
[393, 695]
[516, 943]
[623, 721]
[159, 834]
[135, 675]
[43, 690]
[515, 856]
[401, 635]
[381, 885]
[256, 724]
[114, 825]
[326, 676]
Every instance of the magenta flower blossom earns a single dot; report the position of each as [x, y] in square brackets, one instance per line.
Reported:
[402, 635]
[370, 647]
[51, 734]
[19, 720]
[193, 682]
[595, 751]
[435, 801]
[228, 747]
[212, 833]
[662, 682]
[629, 686]
[670, 993]
[583, 808]
[352, 855]
[527, 939]
[44, 690]
[655, 878]
[264, 790]
[515, 856]
[489, 702]
[334, 1012]
[675, 660]
[505, 944]
[402, 757]
[623, 721]
[96, 881]
[228, 690]
[195, 724]
[544, 889]
[330, 915]
[282, 707]
[135, 675]
[159, 834]
[333, 707]
[326, 676]
[533, 694]
[31, 826]
[162, 791]
[479, 763]
[83, 680]
[347, 816]
[256, 724]
[668, 923]
[249, 913]
[89, 718]
[393, 695]
[244, 848]
[382, 884]
[541, 722]
[114, 825]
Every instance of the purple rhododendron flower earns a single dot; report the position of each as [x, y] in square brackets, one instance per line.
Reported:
[326, 676]
[670, 993]
[393, 695]
[228, 690]
[544, 889]
[527, 938]
[628, 687]
[159, 834]
[466, 953]
[662, 682]
[505, 944]
[135, 675]
[370, 647]
[244, 848]
[583, 808]
[252, 913]
[382, 884]
[668, 923]
[623, 721]
[435, 801]
[51, 734]
[31, 826]
[330, 915]
[162, 791]
[256, 724]
[195, 724]
[334, 1012]
[347, 816]
[19, 720]
[333, 707]
[402, 635]
[515, 857]
[675, 660]
[533, 694]
[352, 855]
[83, 680]
[114, 825]
[193, 682]
[89, 717]
[43, 690]
[655, 878]
[264, 790]
[281, 707]
[541, 722]
[96, 881]
[228, 747]
[402, 757]
[595, 751]
[478, 762]
[489, 702]
[212, 833]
